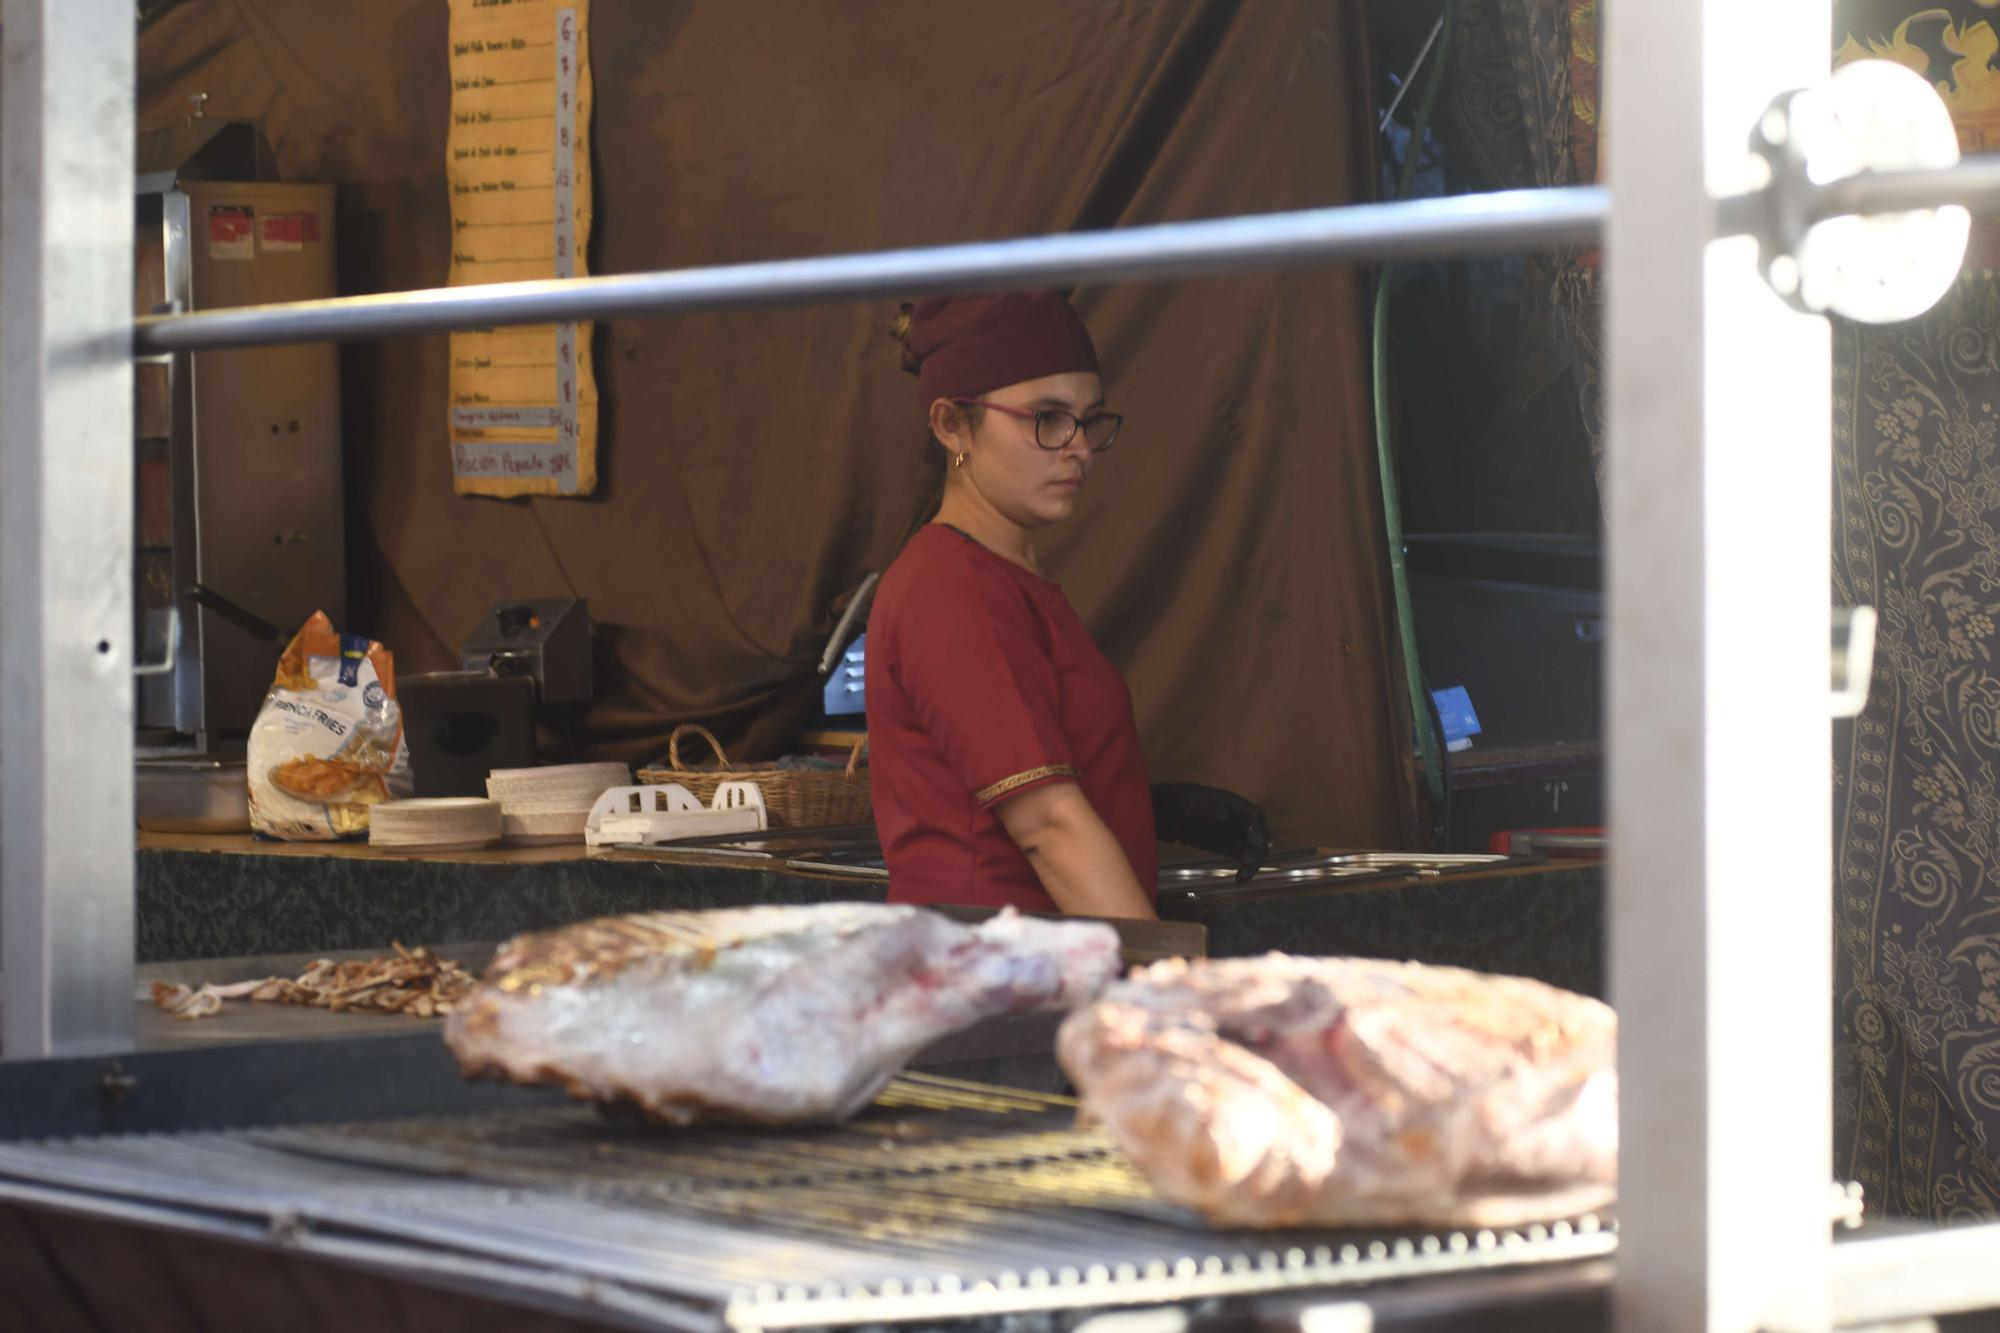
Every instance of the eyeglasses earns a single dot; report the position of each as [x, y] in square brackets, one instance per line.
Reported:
[1055, 428]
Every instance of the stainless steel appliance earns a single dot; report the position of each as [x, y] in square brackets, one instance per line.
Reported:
[238, 452]
[193, 794]
[461, 725]
[547, 638]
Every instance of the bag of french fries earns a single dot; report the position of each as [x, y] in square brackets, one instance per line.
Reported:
[328, 742]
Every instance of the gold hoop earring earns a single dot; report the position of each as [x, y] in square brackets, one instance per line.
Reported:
[958, 459]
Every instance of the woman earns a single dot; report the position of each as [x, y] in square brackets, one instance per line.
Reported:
[1004, 759]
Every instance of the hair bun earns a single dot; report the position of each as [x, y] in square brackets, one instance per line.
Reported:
[899, 329]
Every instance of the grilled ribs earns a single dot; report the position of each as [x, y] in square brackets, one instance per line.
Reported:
[1282, 1091]
[776, 1015]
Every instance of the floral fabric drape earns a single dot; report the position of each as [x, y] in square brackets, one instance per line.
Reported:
[1917, 535]
[1917, 777]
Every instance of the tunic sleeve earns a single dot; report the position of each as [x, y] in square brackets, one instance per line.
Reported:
[973, 659]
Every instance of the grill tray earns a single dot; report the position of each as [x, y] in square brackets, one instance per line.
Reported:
[946, 1200]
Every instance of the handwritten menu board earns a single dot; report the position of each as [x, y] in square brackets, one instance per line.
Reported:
[523, 400]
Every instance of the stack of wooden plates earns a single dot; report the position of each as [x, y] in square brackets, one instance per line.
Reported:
[551, 805]
[444, 824]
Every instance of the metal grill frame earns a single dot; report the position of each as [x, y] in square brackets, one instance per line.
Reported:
[414, 1197]
[1259, 1273]
[1725, 1119]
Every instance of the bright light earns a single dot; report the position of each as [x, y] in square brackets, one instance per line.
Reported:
[1878, 115]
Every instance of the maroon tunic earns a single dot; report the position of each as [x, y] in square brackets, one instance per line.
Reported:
[984, 683]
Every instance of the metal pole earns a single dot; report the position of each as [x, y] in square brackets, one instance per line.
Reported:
[66, 656]
[1719, 401]
[1473, 224]
[1364, 233]
[1974, 182]
[1403, 88]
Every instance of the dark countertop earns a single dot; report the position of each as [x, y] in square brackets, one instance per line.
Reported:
[1544, 920]
[219, 897]
[206, 896]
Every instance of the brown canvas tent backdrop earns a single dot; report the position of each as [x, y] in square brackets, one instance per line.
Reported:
[1228, 554]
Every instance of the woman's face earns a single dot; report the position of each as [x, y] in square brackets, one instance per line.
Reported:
[1025, 483]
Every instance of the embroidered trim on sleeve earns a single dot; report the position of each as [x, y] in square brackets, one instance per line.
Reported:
[988, 795]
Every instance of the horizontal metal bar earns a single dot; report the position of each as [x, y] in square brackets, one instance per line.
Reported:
[1974, 182]
[1918, 1271]
[1156, 1286]
[558, 1292]
[1465, 225]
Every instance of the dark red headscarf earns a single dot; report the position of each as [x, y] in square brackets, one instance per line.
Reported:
[968, 346]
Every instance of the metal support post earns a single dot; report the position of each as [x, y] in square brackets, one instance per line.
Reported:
[1719, 732]
[66, 657]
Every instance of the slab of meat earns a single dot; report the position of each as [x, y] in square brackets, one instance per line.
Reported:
[1281, 1091]
[769, 1014]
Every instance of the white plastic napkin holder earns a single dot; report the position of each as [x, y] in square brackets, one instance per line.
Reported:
[650, 815]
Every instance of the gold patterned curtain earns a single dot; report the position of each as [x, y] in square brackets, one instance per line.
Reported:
[1917, 777]
[1917, 535]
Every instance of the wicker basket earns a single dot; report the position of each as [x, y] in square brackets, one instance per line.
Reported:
[793, 798]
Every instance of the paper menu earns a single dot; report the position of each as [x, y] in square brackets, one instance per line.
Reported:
[523, 401]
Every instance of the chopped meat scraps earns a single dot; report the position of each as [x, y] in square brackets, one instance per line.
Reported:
[414, 981]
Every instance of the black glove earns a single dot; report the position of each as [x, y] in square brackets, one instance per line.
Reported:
[1217, 821]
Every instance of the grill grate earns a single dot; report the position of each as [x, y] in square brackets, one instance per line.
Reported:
[945, 1200]
[919, 1125]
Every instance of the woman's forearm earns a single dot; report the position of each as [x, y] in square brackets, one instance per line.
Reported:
[1088, 874]
[1075, 854]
